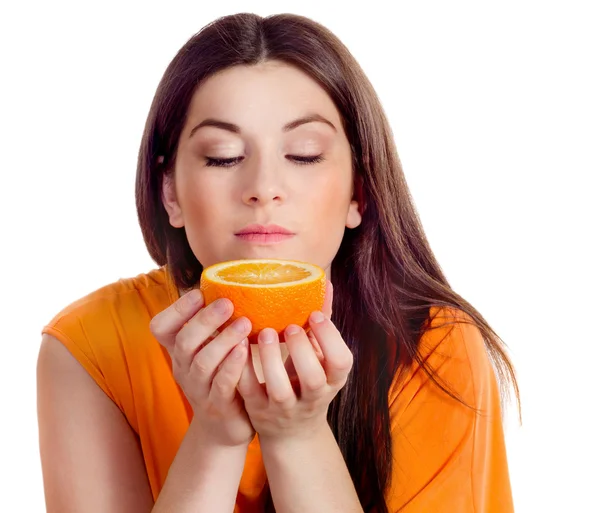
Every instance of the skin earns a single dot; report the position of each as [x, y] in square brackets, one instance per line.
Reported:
[266, 184]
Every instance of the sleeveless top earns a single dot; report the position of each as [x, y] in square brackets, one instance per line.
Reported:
[447, 458]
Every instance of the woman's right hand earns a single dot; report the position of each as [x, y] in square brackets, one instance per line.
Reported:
[208, 371]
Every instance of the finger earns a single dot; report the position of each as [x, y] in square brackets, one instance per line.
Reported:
[328, 302]
[337, 355]
[207, 361]
[166, 324]
[277, 382]
[249, 387]
[199, 329]
[289, 364]
[223, 388]
[289, 368]
[310, 372]
[315, 345]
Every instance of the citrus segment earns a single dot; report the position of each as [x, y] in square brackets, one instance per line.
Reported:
[263, 273]
[271, 293]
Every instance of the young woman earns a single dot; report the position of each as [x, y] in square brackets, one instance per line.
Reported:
[271, 121]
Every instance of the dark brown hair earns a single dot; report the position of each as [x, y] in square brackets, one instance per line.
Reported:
[385, 275]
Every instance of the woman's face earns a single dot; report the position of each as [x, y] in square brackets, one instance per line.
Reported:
[262, 150]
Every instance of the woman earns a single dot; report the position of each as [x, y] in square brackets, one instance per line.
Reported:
[272, 121]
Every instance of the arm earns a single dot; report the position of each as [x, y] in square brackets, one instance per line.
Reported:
[203, 477]
[309, 475]
[304, 465]
[91, 458]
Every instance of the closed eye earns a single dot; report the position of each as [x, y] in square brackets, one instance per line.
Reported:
[230, 162]
[223, 162]
[306, 160]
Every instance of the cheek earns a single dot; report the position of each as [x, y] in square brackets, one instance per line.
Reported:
[331, 194]
[202, 193]
[202, 196]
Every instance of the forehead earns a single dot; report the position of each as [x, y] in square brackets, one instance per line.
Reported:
[266, 95]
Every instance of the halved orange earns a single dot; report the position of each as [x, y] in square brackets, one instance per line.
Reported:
[271, 293]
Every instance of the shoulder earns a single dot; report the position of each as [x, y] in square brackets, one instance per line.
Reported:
[453, 334]
[147, 290]
[107, 332]
[446, 423]
[452, 349]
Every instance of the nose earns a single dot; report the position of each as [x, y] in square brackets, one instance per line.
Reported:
[262, 183]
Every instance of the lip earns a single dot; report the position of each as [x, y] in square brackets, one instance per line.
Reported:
[264, 234]
[260, 229]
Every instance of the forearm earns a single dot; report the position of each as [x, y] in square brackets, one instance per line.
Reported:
[309, 475]
[202, 477]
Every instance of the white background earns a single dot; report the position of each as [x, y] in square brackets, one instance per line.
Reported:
[496, 113]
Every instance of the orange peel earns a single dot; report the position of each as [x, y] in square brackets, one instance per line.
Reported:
[271, 293]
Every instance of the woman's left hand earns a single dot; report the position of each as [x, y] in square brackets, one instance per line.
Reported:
[294, 399]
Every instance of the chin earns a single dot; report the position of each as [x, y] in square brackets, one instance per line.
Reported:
[268, 252]
[262, 252]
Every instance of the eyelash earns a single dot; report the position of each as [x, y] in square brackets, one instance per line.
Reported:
[300, 160]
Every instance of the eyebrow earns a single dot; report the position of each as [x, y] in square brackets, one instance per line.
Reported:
[230, 127]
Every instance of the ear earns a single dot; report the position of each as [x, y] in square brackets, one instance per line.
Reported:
[354, 217]
[170, 202]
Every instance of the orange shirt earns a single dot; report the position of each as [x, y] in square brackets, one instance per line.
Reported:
[446, 457]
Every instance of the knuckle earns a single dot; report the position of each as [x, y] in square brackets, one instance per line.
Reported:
[200, 366]
[210, 317]
[239, 328]
[338, 366]
[281, 399]
[350, 362]
[315, 384]
[156, 327]
[346, 361]
[179, 307]
[342, 364]
[184, 308]
[221, 385]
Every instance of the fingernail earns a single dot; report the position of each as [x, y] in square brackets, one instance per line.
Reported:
[317, 317]
[266, 337]
[240, 325]
[221, 305]
[292, 329]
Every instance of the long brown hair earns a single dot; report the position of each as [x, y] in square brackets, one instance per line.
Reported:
[385, 275]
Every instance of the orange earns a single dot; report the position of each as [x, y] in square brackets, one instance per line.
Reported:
[271, 293]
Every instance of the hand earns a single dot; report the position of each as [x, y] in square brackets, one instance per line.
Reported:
[208, 369]
[296, 406]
